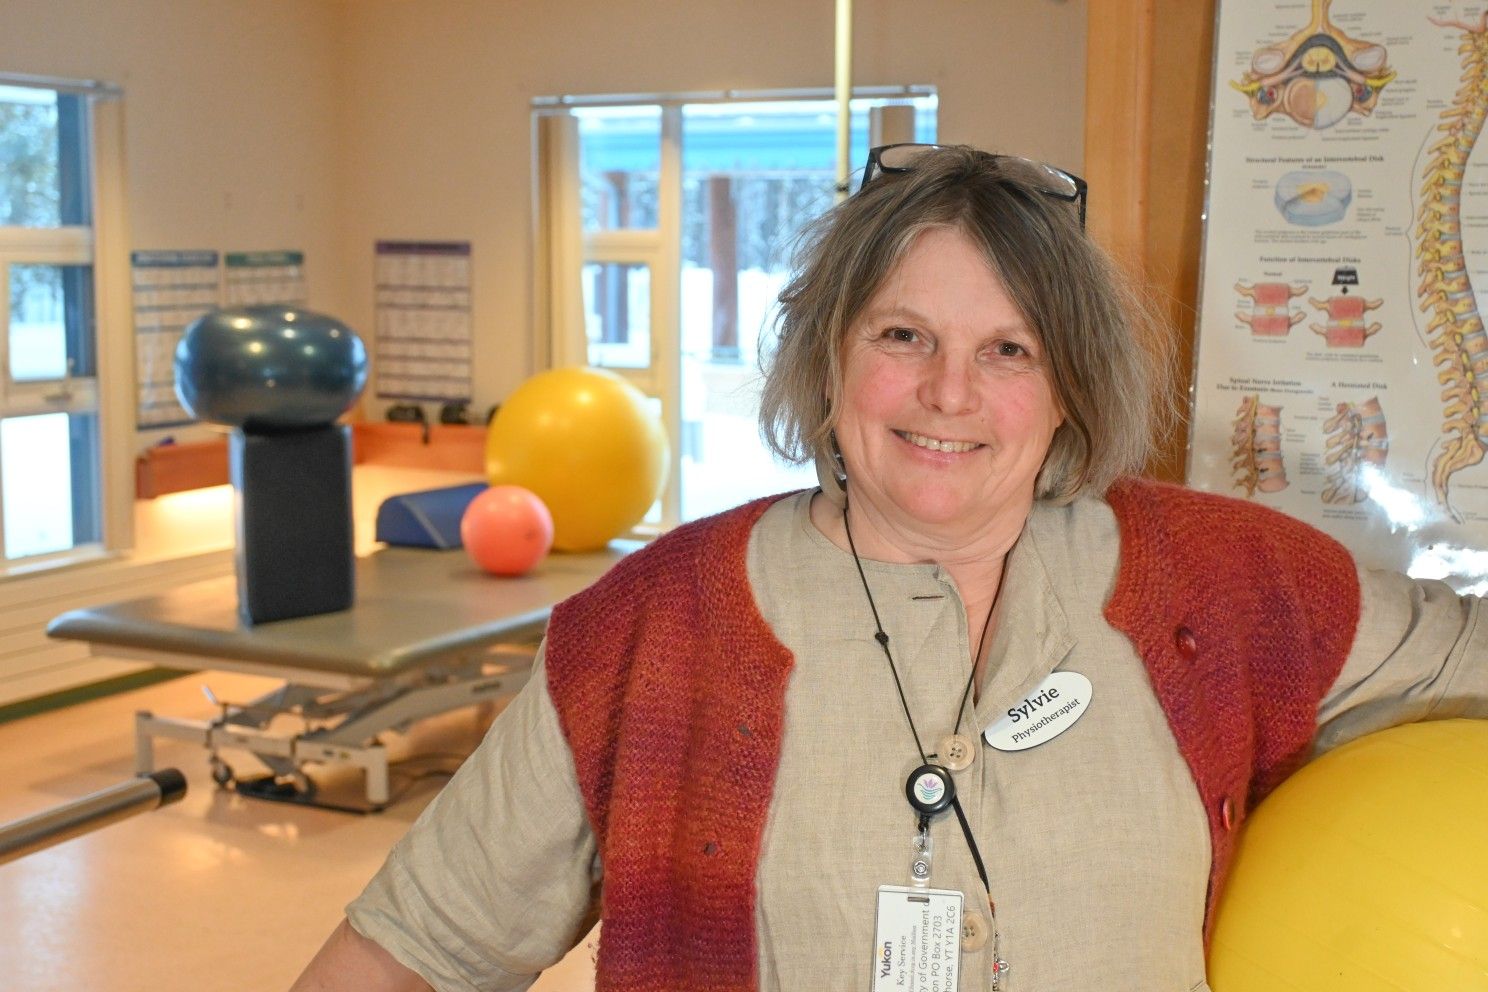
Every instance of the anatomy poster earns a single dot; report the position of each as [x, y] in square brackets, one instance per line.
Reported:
[1340, 346]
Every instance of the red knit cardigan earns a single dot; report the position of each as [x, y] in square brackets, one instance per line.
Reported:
[670, 689]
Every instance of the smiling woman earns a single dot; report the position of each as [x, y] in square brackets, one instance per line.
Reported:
[947, 411]
[1106, 354]
[974, 700]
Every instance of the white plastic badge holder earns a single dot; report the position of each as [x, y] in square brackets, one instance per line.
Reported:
[917, 947]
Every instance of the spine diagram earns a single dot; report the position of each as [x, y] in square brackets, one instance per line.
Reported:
[1270, 313]
[1344, 327]
[1357, 438]
[1256, 445]
[1455, 328]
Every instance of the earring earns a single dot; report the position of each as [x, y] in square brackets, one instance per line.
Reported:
[839, 467]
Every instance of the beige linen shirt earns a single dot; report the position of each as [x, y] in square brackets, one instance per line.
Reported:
[1095, 842]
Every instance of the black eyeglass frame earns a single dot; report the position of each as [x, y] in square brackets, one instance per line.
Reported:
[1079, 197]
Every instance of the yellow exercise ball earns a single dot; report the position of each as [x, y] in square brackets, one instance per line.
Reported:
[1366, 870]
[587, 443]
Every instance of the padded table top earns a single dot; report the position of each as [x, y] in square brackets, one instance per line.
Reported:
[413, 606]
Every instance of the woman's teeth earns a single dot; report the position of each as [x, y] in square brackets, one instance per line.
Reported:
[934, 444]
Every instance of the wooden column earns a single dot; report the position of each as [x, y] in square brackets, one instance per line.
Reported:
[1149, 70]
[1118, 119]
[723, 257]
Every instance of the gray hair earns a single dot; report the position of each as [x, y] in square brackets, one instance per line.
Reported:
[1109, 355]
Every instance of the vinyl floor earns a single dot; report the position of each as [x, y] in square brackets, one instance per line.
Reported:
[216, 892]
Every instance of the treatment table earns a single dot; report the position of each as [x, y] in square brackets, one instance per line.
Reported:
[428, 633]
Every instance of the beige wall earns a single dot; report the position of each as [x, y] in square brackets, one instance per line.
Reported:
[230, 110]
[326, 125]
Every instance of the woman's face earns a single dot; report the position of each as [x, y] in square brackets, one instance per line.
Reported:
[947, 408]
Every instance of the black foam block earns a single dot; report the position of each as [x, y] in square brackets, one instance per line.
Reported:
[293, 511]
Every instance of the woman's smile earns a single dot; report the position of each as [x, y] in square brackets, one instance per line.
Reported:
[938, 444]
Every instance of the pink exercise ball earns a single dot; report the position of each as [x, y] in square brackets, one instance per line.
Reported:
[506, 530]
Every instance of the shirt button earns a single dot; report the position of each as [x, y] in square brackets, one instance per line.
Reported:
[974, 932]
[1188, 645]
[956, 751]
[1227, 813]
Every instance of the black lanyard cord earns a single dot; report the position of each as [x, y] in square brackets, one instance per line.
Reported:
[981, 643]
[976, 854]
[883, 642]
[883, 638]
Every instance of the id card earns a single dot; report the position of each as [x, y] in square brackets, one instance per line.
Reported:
[917, 947]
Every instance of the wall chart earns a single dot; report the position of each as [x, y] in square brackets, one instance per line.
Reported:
[1345, 236]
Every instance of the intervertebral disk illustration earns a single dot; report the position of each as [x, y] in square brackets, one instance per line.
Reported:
[1256, 446]
[1356, 438]
[1314, 198]
[1455, 329]
[1317, 76]
[1345, 325]
[1270, 314]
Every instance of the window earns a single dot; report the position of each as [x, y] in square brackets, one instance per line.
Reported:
[619, 167]
[690, 210]
[50, 496]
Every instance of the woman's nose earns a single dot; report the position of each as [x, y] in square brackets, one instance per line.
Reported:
[949, 385]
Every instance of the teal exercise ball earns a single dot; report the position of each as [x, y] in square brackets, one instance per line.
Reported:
[269, 368]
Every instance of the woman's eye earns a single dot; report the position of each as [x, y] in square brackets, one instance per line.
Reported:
[1010, 349]
[902, 334]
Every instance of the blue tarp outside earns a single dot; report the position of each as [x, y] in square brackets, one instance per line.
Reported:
[744, 143]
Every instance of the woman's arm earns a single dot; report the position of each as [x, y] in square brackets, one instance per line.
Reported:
[496, 879]
[1420, 653]
[350, 962]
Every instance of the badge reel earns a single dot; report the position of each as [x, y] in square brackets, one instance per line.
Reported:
[929, 791]
[918, 935]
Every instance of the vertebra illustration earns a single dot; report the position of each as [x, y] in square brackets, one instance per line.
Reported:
[1269, 314]
[1317, 76]
[1356, 438]
[1455, 329]
[1256, 446]
[1345, 326]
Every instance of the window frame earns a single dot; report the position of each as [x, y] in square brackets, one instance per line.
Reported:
[72, 245]
[103, 387]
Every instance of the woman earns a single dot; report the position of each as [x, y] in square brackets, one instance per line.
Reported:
[762, 737]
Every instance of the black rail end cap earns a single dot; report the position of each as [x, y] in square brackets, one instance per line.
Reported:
[172, 784]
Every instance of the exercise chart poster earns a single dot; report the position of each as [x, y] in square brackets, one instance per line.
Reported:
[170, 289]
[263, 277]
[424, 334]
[1340, 347]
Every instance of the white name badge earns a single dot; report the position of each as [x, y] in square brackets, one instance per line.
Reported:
[1043, 714]
[918, 942]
